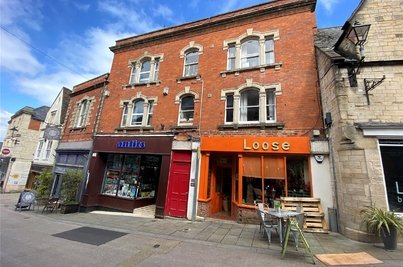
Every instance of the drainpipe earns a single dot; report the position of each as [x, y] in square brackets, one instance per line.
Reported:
[196, 182]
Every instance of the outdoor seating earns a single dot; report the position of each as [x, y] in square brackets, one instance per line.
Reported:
[25, 201]
[267, 224]
[299, 222]
[51, 204]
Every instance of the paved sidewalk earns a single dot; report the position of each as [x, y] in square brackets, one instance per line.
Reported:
[225, 233]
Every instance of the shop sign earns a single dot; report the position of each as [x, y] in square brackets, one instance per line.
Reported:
[399, 193]
[131, 144]
[275, 146]
[5, 151]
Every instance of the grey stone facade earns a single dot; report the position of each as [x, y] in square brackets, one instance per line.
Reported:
[360, 125]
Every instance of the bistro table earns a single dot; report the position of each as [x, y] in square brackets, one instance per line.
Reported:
[282, 217]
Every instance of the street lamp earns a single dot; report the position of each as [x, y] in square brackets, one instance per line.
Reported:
[358, 35]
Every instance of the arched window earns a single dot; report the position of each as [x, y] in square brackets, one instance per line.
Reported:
[137, 112]
[191, 63]
[145, 71]
[186, 109]
[83, 107]
[249, 106]
[250, 53]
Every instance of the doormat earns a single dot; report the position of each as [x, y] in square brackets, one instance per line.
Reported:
[360, 258]
[89, 235]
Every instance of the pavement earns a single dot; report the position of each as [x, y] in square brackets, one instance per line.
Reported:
[213, 232]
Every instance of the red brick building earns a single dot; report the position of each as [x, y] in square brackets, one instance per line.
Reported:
[225, 108]
[75, 147]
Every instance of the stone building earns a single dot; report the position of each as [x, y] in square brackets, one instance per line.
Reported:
[207, 117]
[362, 97]
[19, 146]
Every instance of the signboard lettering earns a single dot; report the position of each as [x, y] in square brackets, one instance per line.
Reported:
[131, 144]
[275, 146]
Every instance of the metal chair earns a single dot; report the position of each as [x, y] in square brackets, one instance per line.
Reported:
[51, 204]
[299, 222]
[267, 224]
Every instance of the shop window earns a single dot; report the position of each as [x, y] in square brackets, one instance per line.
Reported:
[131, 176]
[299, 184]
[392, 161]
[263, 179]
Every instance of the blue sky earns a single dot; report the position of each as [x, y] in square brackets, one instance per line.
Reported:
[48, 44]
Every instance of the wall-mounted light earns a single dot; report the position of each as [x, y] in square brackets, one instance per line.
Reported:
[165, 91]
[319, 158]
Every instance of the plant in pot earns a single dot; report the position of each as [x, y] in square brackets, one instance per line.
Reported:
[70, 187]
[385, 224]
[43, 185]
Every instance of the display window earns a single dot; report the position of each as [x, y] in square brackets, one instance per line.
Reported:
[131, 176]
[392, 161]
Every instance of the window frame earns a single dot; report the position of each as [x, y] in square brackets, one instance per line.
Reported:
[136, 71]
[128, 108]
[188, 66]
[246, 58]
[240, 42]
[181, 111]
[249, 107]
[229, 108]
[83, 108]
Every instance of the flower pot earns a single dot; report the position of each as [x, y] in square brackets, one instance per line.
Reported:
[390, 239]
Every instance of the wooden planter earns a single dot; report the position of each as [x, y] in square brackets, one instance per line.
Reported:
[69, 208]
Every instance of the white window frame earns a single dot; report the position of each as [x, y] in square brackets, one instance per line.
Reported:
[270, 105]
[128, 114]
[83, 111]
[191, 68]
[181, 119]
[263, 91]
[146, 72]
[133, 113]
[240, 41]
[48, 149]
[231, 57]
[39, 149]
[136, 65]
[244, 106]
[227, 108]
[247, 59]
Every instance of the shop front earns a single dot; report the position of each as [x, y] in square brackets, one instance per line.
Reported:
[129, 172]
[238, 171]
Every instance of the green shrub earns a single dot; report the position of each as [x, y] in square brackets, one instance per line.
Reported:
[44, 183]
[70, 186]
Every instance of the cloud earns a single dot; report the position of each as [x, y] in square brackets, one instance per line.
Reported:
[82, 7]
[328, 5]
[16, 55]
[27, 12]
[4, 118]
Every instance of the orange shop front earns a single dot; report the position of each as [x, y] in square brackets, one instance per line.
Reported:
[237, 171]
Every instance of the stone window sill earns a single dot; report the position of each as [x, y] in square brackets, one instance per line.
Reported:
[262, 68]
[147, 84]
[267, 125]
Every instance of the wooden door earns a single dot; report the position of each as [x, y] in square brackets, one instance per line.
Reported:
[178, 184]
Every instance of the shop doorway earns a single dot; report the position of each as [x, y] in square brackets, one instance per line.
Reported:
[221, 193]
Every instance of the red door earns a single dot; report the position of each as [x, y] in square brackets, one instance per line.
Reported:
[178, 184]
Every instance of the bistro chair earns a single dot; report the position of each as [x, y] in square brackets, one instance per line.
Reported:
[268, 225]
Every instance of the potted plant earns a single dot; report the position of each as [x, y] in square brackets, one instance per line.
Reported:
[385, 224]
[70, 187]
[43, 185]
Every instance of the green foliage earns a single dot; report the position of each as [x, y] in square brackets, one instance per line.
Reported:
[378, 220]
[44, 183]
[70, 186]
